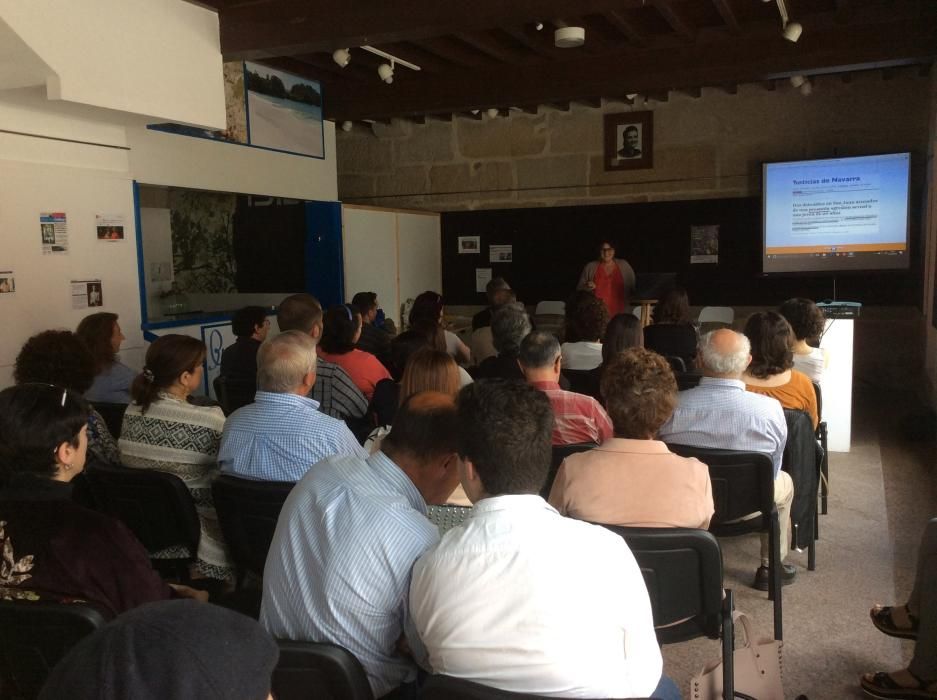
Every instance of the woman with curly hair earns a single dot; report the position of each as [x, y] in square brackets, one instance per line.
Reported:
[771, 371]
[586, 321]
[112, 379]
[163, 431]
[807, 322]
[60, 358]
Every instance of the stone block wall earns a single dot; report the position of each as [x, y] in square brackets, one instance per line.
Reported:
[711, 146]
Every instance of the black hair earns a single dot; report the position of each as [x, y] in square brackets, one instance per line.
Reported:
[341, 324]
[364, 302]
[807, 321]
[34, 420]
[55, 357]
[673, 307]
[622, 332]
[772, 343]
[96, 331]
[245, 321]
[424, 432]
[505, 431]
[402, 347]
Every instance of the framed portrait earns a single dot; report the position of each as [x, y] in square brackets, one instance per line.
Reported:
[629, 141]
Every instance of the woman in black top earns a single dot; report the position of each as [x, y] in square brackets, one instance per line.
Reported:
[673, 333]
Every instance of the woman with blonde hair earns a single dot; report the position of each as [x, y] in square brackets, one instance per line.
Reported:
[429, 370]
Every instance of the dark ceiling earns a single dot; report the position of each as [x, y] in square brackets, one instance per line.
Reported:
[477, 54]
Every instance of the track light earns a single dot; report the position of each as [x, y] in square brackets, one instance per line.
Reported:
[797, 80]
[806, 89]
[539, 26]
[342, 57]
[631, 95]
[493, 112]
[346, 125]
[385, 72]
[792, 31]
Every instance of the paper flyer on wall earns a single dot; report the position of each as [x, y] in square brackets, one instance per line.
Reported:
[54, 231]
[87, 294]
[500, 253]
[482, 278]
[470, 245]
[7, 282]
[704, 244]
[109, 227]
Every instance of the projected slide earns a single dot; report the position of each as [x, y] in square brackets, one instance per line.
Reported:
[847, 213]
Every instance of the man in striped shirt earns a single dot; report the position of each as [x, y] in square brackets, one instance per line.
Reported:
[576, 417]
[283, 433]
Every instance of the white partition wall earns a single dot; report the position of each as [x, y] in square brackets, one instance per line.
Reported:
[419, 254]
[837, 383]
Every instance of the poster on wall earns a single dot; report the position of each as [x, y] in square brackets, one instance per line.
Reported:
[501, 253]
[109, 227]
[87, 294]
[7, 282]
[284, 111]
[470, 245]
[53, 227]
[482, 278]
[704, 244]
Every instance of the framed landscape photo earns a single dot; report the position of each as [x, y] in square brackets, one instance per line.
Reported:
[629, 141]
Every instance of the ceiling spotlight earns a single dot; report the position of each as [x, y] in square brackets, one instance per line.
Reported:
[342, 57]
[569, 37]
[474, 111]
[631, 95]
[385, 72]
[493, 112]
[806, 88]
[346, 125]
[798, 80]
[792, 31]
[539, 26]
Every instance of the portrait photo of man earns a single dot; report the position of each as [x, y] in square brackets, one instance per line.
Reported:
[629, 141]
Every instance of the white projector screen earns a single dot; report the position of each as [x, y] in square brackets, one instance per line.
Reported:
[835, 215]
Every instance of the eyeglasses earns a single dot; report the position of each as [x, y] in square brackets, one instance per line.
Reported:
[605, 249]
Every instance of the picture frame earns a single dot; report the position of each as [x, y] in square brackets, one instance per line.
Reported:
[629, 141]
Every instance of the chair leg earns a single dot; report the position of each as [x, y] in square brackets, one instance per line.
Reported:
[775, 573]
[728, 646]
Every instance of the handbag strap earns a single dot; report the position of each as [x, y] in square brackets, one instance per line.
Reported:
[737, 617]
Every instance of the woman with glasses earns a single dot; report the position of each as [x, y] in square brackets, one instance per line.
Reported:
[611, 279]
[52, 547]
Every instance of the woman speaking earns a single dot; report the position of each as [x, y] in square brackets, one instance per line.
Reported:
[610, 278]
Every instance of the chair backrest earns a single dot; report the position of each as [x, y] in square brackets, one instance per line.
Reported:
[687, 380]
[584, 381]
[233, 393]
[717, 314]
[561, 452]
[34, 636]
[556, 308]
[676, 363]
[819, 392]
[247, 512]
[113, 415]
[682, 569]
[319, 671]
[156, 506]
[449, 688]
[742, 482]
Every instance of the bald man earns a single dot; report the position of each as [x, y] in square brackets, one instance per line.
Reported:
[339, 565]
[721, 414]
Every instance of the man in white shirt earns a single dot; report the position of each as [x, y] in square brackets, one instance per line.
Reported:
[518, 597]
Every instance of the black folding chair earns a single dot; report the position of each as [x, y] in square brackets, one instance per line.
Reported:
[156, 506]
[687, 380]
[449, 688]
[823, 437]
[233, 393]
[113, 415]
[682, 569]
[743, 483]
[561, 452]
[318, 671]
[247, 512]
[802, 460]
[584, 381]
[34, 636]
[677, 364]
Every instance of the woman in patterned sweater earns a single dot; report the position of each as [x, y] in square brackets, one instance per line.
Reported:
[163, 431]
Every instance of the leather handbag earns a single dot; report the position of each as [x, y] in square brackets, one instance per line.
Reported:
[757, 668]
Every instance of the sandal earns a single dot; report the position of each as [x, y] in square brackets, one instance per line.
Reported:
[883, 621]
[883, 686]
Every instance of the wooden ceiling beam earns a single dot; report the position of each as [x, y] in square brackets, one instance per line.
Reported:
[457, 53]
[624, 25]
[680, 25]
[725, 10]
[532, 40]
[491, 47]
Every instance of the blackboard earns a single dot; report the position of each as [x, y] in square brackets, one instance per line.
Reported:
[551, 245]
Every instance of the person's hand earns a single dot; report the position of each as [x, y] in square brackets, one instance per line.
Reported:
[188, 592]
[590, 286]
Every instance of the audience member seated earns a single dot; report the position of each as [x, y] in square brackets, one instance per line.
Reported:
[112, 378]
[426, 317]
[283, 433]
[673, 334]
[51, 545]
[339, 565]
[498, 292]
[334, 390]
[622, 332]
[632, 479]
[239, 360]
[576, 417]
[509, 326]
[770, 372]
[917, 620]
[373, 339]
[387, 391]
[518, 597]
[807, 323]
[585, 322]
[176, 650]
[341, 332]
[720, 414]
[60, 358]
[163, 431]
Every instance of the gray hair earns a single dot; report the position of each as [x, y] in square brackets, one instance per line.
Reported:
[539, 349]
[717, 361]
[509, 326]
[283, 361]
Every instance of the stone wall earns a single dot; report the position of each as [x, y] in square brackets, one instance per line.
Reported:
[711, 146]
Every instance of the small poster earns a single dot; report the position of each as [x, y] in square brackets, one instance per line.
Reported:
[87, 294]
[109, 228]
[704, 244]
[7, 282]
[54, 231]
[470, 244]
[500, 253]
[482, 278]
